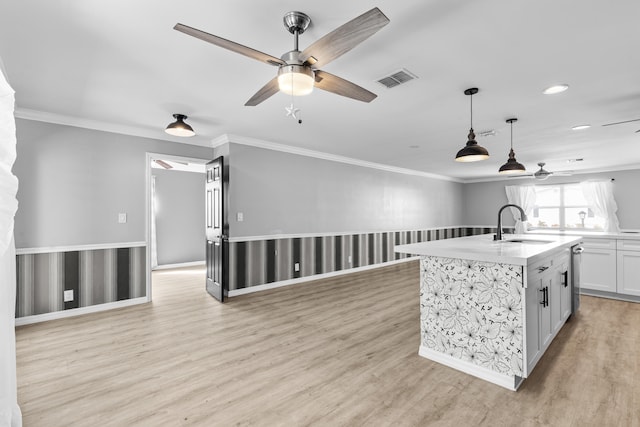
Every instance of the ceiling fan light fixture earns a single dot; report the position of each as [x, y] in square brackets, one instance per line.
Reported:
[296, 80]
[472, 152]
[179, 127]
[512, 166]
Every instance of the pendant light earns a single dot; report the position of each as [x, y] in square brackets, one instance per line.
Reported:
[512, 166]
[472, 152]
[179, 127]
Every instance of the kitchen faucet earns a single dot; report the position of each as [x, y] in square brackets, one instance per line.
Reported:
[523, 217]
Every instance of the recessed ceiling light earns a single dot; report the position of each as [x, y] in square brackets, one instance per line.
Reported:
[580, 127]
[555, 89]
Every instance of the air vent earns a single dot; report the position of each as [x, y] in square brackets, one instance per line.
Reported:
[397, 78]
[484, 133]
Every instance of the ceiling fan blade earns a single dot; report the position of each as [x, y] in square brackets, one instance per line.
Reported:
[339, 86]
[164, 164]
[562, 173]
[344, 38]
[264, 93]
[228, 44]
[619, 123]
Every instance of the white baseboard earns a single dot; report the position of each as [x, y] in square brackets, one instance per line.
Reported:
[179, 265]
[37, 318]
[610, 295]
[510, 382]
[274, 285]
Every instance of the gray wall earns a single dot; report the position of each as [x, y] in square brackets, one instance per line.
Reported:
[180, 227]
[283, 193]
[483, 199]
[74, 182]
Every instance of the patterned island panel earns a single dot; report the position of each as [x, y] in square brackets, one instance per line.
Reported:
[472, 311]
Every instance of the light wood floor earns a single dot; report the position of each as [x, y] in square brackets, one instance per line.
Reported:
[335, 352]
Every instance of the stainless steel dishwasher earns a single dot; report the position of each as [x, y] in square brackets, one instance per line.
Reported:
[576, 266]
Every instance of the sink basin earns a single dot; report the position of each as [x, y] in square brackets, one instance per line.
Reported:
[529, 241]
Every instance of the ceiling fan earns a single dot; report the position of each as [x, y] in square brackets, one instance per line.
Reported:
[542, 174]
[166, 165]
[622, 122]
[298, 72]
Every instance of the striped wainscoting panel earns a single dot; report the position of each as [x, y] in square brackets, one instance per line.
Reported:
[96, 276]
[258, 262]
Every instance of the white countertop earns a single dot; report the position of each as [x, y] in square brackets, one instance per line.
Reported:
[484, 248]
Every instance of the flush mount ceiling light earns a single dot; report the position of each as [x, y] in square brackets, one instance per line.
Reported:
[555, 89]
[512, 166]
[581, 127]
[179, 127]
[472, 152]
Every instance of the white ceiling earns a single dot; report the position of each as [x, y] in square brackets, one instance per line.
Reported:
[119, 65]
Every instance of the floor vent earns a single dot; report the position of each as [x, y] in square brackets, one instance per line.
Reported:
[397, 78]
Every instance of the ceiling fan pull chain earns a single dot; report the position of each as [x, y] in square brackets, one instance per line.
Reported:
[291, 110]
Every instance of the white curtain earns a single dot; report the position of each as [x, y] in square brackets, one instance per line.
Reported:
[9, 410]
[599, 196]
[523, 196]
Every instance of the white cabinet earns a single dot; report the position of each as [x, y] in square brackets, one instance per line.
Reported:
[548, 303]
[599, 265]
[566, 293]
[628, 272]
[560, 290]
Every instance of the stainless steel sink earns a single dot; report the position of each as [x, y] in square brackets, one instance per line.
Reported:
[529, 241]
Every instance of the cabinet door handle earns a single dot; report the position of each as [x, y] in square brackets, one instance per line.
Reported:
[541, 269]
[546, 296]
[543, 302]
[565, 278]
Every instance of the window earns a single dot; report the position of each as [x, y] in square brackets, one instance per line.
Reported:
[563, 207]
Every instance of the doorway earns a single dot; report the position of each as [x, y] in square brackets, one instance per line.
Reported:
[175, 217]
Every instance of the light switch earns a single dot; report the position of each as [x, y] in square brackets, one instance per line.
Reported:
[122, 218]
[240, 216]
[68, 295]
[296, 266]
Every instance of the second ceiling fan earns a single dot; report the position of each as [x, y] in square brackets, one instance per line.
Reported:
[542, 174]
[298, 71]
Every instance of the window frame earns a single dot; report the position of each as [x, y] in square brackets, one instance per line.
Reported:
[562, 207]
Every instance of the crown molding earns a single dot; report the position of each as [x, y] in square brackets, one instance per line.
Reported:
[61, 119]
[530, 180]
[268, 145]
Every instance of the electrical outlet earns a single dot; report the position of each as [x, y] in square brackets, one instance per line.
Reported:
[122, 218]
[349, 259]
[68, 295]
[239, 216]
[296, 266]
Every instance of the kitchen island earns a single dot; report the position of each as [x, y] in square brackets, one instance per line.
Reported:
[491, 308]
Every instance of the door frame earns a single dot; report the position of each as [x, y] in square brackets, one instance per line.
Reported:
[150, 156]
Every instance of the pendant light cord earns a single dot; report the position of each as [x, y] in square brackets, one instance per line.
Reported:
[511, 123]
[471, 115]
